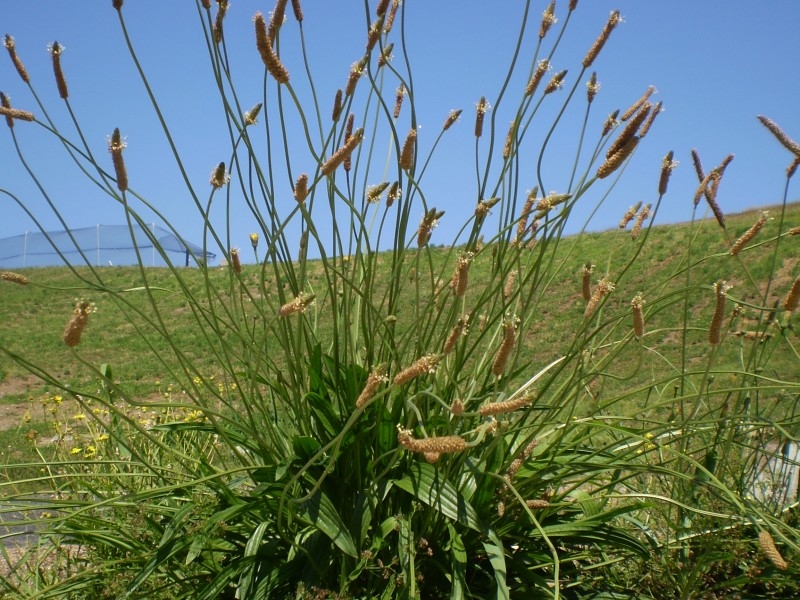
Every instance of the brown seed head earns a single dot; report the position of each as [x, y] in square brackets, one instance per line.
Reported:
[633, 108]
[748, 235]
[431, 445]
[426, 364]
[222, 9]
[537, 504]
[614, 19]
[637, 305]
[407, 154]
[5, 103]
[793, 297]
[77, 323]
[398, 100]
[395, 193]
[724, 164]
[517, 463]
[338, 157]
[390, 18]
[556, 83]
[770, 550]
[592, 87]
[667, 166]
[643, 215]
[629, 215]
[14, 278]
[648, 123]
[431, 457]
[457, 407]
[710, 184]
[504, 407]
[115, 147]
[457, 331]
[510, 139]
[277, 19]
[629, 131]
[303, 246]
[548, 19]
[356, 71]
[451, 118]
[604, 287]
[549, 202]
[586, 281]
[484, 207]
[264, 45]
[14, 113]
[337, 106]
[348, 133]
[236, 261]
[711, 197]
[429, 221]
[506, 347]
[542, 68]
[612, 163]
[299, 304]
[460, 278]
[56, 50]
[481, 109]
[376, 377]
[780, 135]
[301, 188]
[386, 55]
[508, 288]
[704, 188]
[790, 170]
[522, 224]
[12, 52]
[117, 4]
[374, 192]
[298, 11]
[383, 5]
[715, 329]
[374, 33]
[610, 123]
[698, 166]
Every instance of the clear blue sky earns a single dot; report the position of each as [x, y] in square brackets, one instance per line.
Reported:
[716, 65]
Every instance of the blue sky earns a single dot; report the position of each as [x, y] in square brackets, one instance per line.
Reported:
[716, 65]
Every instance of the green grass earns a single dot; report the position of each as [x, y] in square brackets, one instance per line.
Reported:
[34, 316]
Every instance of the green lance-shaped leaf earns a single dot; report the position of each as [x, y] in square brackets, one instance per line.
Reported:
[320, 512]
[428, 485]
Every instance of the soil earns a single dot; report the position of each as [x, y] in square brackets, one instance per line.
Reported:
[13, 411]
[12, 386]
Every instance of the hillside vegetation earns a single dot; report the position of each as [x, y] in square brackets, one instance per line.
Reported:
[34, 316]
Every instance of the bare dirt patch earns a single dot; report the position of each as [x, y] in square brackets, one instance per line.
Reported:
[12, 413]
[14, 386]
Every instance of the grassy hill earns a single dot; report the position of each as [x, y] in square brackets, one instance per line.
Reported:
[34, 316]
